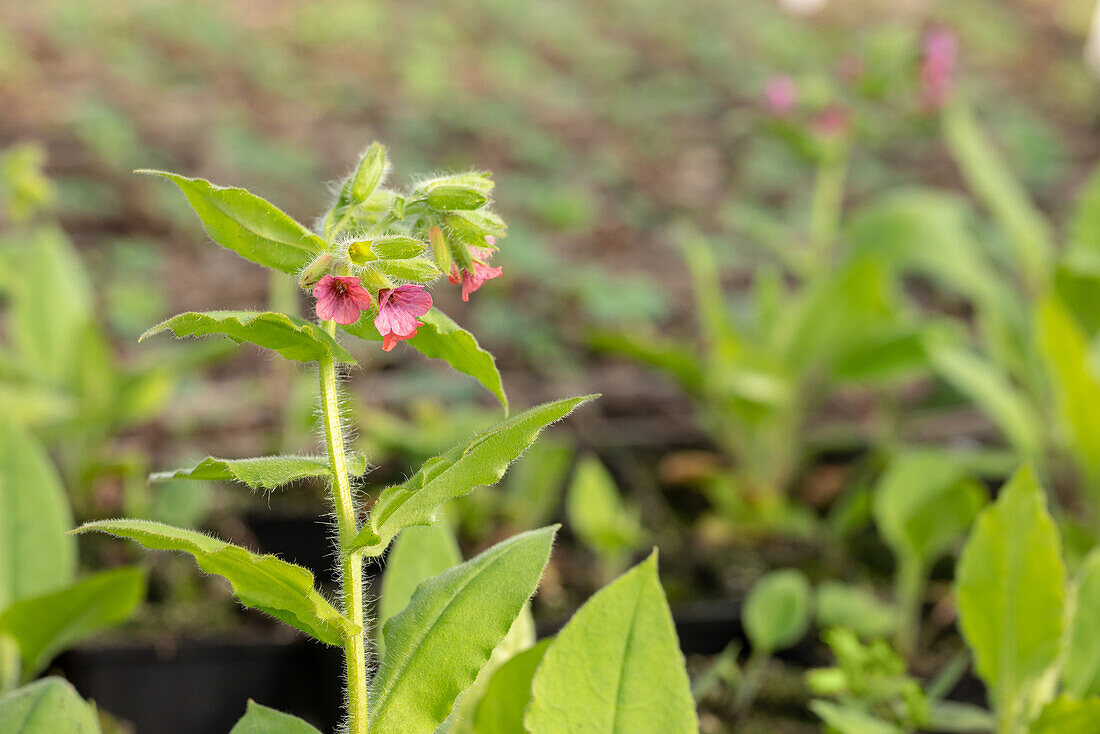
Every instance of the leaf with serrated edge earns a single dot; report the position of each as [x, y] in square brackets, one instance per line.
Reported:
[264, 582]
[250, 226]
[481, 462]
[442, 338]
[616, 667]
[263, 472]
[437, 645]
[292, 337]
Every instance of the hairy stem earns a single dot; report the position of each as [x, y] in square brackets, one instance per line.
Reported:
[351, 564]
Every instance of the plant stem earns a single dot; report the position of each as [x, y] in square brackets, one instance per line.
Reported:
[351, 564]
[826, 205]
[911, 576]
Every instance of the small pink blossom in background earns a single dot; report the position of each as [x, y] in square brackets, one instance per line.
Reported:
[834, 120]
[398, 311]
[482, 271]
[937, 68]
[340, 298]
[780, 94]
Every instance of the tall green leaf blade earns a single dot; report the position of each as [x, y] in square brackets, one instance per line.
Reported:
[616, 667]
[36, 556]
[1081, 667]
[263, 472]
[263, 582]
[418, 554]
[438, 644]
[441, 338]
[596, 513]
[47, 706]
[250, 226]
[1083, 248]
[259, 719]
[481, 462]
[500, 710]
[45, 625]
[1067, 715]
[292, 337]
[1009, 587]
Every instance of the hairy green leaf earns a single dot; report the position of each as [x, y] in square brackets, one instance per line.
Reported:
[777, 610]
[616, 667]
[292, 337]
[259, 719]
[483, 461]
[1009, 587]
[35, 554]
[442, 338]
[263, 582]
[45, 625]
[243, 222]
[438, 644]
[264, 472]
[47, 706]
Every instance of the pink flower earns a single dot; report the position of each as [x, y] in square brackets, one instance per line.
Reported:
[341, 298]
[398, 310]
[482, 272]
[833, 121]
[780, 95]
[937, 67]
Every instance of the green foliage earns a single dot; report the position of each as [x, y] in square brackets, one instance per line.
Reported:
[243, 222]
[778, 610]
[44, 625]
[616, 666]
[500, 710]
[259, 719]
[36, 556]
[1067, 715]
[438, 644]
[1009, 587]
[264, 582]
[442, 338]
[48, 706]
[1081, 666]
[534, 484]
[418, 554]
[597, 513]
[483, 461]
[292, 337]
[264, 472]
[841, 605]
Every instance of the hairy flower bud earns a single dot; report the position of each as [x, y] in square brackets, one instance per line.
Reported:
[440, 252]
[316, 270]
[456, 198]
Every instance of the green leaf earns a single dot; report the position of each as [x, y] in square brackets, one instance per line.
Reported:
[675, 358]
[924, 502]
[264, 472]
[438, 644]
[263, 582]
[858, 609]
[1009, 588]
[535, 482]
[45, 625]
[1076, 390]
[596, 512]
[259, 719]
[616, 667]
[777, 610]
[958, 717]
[1067, 715]
[418, 554]
[442, 338]
[292, 337]
[35, 554]
[847, 720]
[990, 389]
[243, 222]
[481, 462]
[992, 182]
[1083, 245]
[47, 706]
[1081, 667]
[501, 708]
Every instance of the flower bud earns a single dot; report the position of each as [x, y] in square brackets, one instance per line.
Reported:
[372, 167]
[440, 252]
[452, 198]
[316, 270]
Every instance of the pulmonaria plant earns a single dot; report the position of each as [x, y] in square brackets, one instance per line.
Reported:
[369, 265]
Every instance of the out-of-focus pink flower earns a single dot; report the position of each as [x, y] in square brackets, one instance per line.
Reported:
[780, 95]
[937, 67]
[340, 298]
[482, 272]
[398, 311]
[834, 120]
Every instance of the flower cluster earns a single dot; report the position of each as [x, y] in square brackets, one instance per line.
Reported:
[342, 298]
